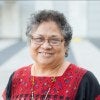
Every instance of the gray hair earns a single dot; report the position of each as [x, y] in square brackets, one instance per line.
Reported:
[50, 15]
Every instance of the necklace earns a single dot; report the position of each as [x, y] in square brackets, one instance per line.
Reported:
[53, 80]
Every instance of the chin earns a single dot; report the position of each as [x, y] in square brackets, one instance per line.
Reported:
[45, 62]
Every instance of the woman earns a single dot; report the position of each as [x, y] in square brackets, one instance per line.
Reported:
[51, 77]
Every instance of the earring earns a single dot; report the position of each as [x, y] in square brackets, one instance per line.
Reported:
[66, 54]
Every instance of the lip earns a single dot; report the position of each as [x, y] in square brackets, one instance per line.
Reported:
[45, 51]
[46, 54]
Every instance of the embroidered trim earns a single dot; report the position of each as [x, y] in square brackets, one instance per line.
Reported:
[65, 87]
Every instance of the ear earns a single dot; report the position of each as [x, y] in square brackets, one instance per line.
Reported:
[66, 51]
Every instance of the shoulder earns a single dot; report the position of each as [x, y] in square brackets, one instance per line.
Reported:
[77, 69]
[23, 69]
[89, 76]
[90, 80]
[21, 72]
[89, 87]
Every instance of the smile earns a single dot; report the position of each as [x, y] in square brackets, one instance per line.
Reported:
[45, 54]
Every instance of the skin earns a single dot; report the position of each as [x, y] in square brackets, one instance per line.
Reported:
[48, 59]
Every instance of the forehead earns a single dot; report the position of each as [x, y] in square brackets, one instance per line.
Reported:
[48, 29]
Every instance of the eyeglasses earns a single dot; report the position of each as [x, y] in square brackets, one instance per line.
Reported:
[54, 41]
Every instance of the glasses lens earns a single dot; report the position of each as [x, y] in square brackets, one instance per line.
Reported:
[55, 41]
[37, 40]
[41, 40]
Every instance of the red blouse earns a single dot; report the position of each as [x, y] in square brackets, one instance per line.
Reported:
[65, 87]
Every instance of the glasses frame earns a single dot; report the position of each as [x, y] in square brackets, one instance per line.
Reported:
[50, 40]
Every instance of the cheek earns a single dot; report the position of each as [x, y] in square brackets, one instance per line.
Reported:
[61, 51]
[33, 49]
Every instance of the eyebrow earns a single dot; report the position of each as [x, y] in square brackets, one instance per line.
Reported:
[43, 35]
[54, 35]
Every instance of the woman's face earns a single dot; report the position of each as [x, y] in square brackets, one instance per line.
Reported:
[47, 45]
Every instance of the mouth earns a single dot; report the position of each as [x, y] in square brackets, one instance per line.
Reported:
[45, 54]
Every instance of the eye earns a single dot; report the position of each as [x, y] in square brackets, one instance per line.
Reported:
[55, 40]
[38, 39]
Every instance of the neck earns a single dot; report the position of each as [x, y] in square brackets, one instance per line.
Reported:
[48, 70]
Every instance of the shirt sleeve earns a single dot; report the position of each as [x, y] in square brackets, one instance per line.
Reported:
[7, 92]
[89, 88]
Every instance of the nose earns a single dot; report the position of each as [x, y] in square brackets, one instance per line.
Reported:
[46, 45]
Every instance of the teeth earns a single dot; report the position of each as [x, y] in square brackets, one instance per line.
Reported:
[46, 54]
